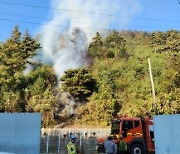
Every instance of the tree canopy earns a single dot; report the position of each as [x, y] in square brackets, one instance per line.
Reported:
[79, 83]
[115, 82]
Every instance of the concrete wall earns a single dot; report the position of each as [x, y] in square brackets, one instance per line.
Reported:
[167, 134]
[20, 133]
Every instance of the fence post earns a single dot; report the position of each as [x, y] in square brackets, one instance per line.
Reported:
[80, 141]
[59, 142]
[47, 143]
[54, 130]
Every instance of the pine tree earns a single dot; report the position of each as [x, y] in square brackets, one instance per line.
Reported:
[95, 47]
[79, 83]
[15, 53]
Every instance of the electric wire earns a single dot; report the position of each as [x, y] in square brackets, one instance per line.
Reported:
[48, 19]
[38, 23]
[81, 12]
[66, 27]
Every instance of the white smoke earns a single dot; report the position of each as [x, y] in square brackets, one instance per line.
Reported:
[73, 52]
[27, 69]
[66, 46]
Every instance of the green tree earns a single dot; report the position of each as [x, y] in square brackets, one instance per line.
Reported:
[79, 83]
[40, 93]
[14, 55]
[115, 44]
[95, 47]
[115, 38]
[172, 41]
[28, 48]
[101, 108]
[157, 41]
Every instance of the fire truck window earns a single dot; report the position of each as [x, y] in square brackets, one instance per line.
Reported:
[115, 128]
[128, 125]
[136, 123]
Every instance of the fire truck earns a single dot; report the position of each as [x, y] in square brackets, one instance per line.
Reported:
[136, 132]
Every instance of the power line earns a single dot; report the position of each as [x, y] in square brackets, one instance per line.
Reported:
[94, 13]
[27, 5]
[28, 22]
[66, 27]
[37, 23]
[33, 17]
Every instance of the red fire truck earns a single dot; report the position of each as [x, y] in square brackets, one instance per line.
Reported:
[136, 132]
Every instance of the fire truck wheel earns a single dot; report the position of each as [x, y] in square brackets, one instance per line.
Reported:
[137, 149]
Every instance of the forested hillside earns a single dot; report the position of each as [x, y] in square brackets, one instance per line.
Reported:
[114, 81]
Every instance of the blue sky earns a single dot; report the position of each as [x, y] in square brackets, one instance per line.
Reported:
[145, 15]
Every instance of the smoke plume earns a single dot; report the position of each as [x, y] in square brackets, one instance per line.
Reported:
[65, 38]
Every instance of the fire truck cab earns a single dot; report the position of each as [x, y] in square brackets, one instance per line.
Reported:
[136, 132]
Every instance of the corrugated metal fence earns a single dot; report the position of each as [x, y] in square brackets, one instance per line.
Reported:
[20, 133]
[167, 134]
[54, 141]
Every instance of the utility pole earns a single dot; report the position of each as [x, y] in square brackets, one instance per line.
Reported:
[152, 84]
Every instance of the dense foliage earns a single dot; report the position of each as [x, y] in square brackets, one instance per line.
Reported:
[116, 81]
[20, 92]
[79, 83]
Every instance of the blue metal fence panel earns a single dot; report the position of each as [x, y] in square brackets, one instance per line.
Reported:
[167, 134]
[20, 133]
